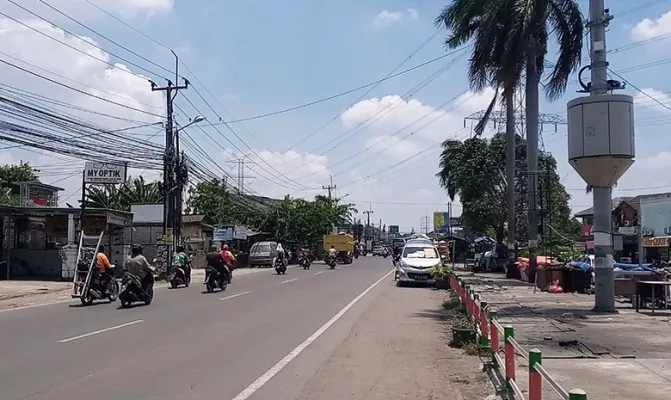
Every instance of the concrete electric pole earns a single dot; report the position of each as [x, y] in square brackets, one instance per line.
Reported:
[170, 163]
[330, 187]
[368, 213]
[601, 147]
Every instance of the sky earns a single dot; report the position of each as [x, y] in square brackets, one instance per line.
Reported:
[245, 59]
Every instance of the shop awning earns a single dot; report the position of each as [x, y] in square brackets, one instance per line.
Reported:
[658, 241]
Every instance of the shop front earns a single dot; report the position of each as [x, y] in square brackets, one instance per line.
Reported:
[41, 242]
[657, 248]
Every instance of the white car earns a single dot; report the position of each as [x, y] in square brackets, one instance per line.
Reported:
[417, 259]
[377, 250]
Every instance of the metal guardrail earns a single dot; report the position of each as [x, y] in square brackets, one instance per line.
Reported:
[489, 332]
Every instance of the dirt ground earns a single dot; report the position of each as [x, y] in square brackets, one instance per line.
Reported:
[398, 349]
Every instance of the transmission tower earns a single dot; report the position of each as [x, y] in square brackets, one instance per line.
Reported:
[498, 118]
[240, 162]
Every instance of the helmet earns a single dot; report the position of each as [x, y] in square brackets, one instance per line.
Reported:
[136, 249]
[225, 247]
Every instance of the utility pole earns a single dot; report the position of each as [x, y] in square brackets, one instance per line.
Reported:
[368, 213]
[170, 163]
[602, 196]
[611, 148]
[330, 187]
[449, 215]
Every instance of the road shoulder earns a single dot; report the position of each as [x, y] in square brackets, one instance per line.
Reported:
[398, 349]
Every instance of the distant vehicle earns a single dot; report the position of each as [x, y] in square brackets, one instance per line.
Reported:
[262, 254]
[344, 245]
[397, 242]
[377, 250]
[416, 260]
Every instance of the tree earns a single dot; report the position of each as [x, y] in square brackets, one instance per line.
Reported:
[133, 191]
[474, 171]
[306, 221]
[11, 173]
[464, 20]
[214, 200]
[529, 25]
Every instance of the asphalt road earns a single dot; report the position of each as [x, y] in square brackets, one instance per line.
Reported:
[261, 339]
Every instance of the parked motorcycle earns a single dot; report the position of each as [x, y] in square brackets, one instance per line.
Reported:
[214, 280]
[178, 277]
[305, 262]
[279, 266]
[100, 289]
[132, 292]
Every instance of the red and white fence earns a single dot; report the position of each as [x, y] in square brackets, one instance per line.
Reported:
[489, 335]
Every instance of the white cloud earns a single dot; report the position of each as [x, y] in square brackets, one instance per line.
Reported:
[389, 114]
[80, 71]
[649, 28]
[651, 98]
[386, 18]
[392, 146]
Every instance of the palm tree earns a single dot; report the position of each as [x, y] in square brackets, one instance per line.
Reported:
[106, 197]
[468, 20]
[138, 191]
[529, 25]
[528, 39]
[133, 191]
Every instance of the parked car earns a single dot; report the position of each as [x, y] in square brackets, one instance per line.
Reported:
[417, 259]
[262, 254]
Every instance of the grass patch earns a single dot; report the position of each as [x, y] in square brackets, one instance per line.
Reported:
[473, 349]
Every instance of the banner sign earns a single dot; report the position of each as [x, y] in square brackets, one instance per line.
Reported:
[223, 234]
[441, 221]
[104, 173]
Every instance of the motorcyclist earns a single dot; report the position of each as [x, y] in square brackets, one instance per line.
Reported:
[138, 265]
[303, 255]
[281, 255]
[215, 261]
[397, 251]
[333, 252]
[228, 258]
[104, 268]
[180, 259]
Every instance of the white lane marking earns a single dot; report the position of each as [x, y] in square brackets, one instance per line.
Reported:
[290, 280]
[111, 328]
[275, 369]
[235, 295]
[320, 272]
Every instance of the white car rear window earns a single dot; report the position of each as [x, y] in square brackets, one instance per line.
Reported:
[420, 252]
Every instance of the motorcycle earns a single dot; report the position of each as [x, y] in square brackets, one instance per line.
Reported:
[213, 280]
[280, 267]
[385, 254]
[396, 259]
[305, 262]
[132, 291]
[178, 277]
[331, 262]
[99, 290]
